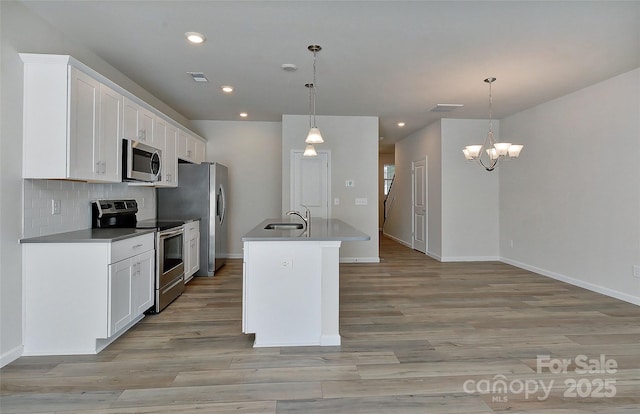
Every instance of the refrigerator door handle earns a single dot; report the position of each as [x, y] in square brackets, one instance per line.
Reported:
[220, 204]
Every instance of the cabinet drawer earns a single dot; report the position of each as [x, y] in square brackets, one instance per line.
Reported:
[123, 249]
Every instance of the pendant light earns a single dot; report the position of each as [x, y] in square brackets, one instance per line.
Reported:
[314, 136]
[491, 152]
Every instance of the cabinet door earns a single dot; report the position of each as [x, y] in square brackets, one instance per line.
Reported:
[137, 122]
[83, 158]
[145, 124]
[183, 139]
[191, 148]
[195, 253]
[169, 159]
[159, 133]
[119, 295]
[200, 155]
[142, 282]
[192, 249]
[110, 152]
[130, 120]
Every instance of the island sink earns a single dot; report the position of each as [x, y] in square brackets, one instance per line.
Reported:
[284, 226]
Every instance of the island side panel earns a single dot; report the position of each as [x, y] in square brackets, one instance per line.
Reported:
[285, 294]
[330, 294]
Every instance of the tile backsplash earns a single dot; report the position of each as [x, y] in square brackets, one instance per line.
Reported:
[75, 204]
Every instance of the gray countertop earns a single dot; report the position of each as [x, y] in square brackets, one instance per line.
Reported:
[89, 236]
[321, 230]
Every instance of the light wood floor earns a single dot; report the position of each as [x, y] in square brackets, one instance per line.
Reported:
[419, 336]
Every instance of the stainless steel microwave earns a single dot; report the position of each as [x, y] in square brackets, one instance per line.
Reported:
[140, 162]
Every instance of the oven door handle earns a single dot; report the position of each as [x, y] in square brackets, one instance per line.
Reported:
[164, 234]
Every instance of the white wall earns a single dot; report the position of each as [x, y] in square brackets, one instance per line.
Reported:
[353, 142]
[425, 142]
[571, 203]
[469, 194]
[252, 153]
[462, 198]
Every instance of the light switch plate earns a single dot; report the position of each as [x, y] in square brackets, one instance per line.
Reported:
[56, 206]
[361, 201]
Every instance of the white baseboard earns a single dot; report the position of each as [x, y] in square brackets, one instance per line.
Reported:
[234, 256]
[359, 260]
[470, 259]
[576, 282]
[330, 340]
[402, 242]
[434, 256]
[11, 355]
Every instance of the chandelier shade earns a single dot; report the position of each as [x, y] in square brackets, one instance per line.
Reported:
[491, 152]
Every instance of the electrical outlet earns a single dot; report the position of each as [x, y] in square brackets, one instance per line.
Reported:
[56, 206]
[286, 263]
[636, 270]
[511, 243]
[336, 201]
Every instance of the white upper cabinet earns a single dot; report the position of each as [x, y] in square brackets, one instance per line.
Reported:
[110, 125]
[169, 173]
[95, 115]
[84, 122]
[138, 124]
[190, 148]
[72, 124]
[75, 120]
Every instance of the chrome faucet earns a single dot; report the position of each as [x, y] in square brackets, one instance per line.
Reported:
[306, 218]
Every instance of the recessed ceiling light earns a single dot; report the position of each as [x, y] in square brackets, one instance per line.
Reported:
[195, 37]
[198, 76]
[227, 88]
[243, 114]
[401, 124]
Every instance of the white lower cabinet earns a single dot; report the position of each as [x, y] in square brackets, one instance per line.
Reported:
[130, 289]
[191, 249]
[81, 296]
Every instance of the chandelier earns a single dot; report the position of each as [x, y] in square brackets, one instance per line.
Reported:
[314, 136]
[491, 152]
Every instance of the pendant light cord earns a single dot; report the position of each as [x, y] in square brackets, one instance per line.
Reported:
[313, 87]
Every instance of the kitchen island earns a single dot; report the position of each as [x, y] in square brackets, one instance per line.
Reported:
[290, 294]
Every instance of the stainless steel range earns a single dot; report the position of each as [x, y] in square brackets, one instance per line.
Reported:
[169, 266]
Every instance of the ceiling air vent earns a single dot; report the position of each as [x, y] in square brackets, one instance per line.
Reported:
[446, 107]
[198, 76]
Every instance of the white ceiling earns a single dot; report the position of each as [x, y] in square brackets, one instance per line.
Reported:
[391, 59]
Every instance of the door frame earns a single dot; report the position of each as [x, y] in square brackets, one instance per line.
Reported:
[426, 203]
[292, 168]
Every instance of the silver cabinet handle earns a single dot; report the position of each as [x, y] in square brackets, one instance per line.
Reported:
[137, 246]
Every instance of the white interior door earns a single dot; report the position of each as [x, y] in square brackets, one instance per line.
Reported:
[310, 183]
[419, 181]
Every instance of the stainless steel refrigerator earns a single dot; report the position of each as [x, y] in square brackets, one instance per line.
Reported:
[201, 194]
